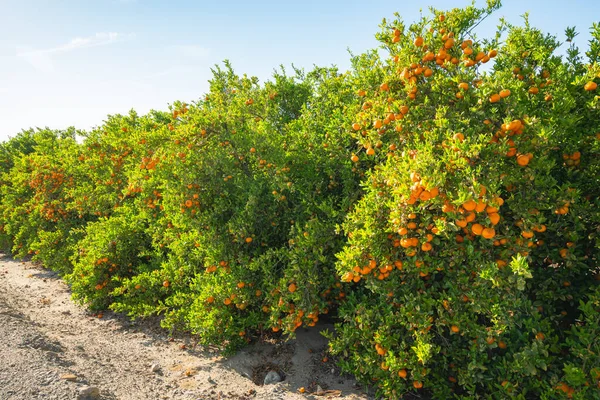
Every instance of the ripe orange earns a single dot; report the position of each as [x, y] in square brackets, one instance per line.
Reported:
[402, 373]
[523, 160]
[494, 98]
[459, 137]
[455, 329]
[469, 205]
[419, 41]
[356, 126]
[590, 86]
[504, 93]
[292, 287]
[527, 234]
[354, 158]
[418, 384]
[463, 85]
[477, 229]
[488, 233]
[494, 218]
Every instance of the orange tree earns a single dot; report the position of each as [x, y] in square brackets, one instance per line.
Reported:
[476, 240]
[226, 223]
[468, 259]
[35, 213]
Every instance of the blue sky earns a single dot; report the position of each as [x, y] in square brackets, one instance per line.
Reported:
[72, 62]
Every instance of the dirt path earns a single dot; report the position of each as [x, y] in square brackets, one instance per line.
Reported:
[52, 349]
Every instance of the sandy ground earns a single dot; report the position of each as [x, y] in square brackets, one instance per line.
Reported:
[51, 348]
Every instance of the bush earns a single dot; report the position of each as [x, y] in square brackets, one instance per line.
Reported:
[440, 199]
[463, 237]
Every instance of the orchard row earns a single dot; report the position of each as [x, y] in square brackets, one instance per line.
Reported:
[439, 200]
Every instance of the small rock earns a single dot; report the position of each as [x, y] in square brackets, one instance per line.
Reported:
[68, 377]
[272, 377]
[154, 368]
[88, 393]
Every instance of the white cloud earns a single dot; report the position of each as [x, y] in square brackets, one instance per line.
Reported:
[41, 59]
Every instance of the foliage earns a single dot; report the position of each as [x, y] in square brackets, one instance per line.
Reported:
[440, 199]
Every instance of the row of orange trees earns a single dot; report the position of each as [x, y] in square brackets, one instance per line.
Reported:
[440, 199]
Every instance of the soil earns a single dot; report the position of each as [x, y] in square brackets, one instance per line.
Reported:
[51, 348]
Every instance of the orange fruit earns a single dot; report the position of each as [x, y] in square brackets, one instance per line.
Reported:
[494, 98]
[354, 158]
[454, 328]
[488, 233]
[418, 384]
[494, 218]
[523, 160]
[469, 205]
[402, 373]
[458, 137]
[356, 126]
[292, 287]
[527, 234]
[477, 229]
[419, 41]
[590, 86]
[504, 93]
[480, 206]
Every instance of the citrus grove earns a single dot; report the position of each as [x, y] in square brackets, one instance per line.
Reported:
[439, 200]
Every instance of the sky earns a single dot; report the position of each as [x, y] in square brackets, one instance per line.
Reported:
[73, 62]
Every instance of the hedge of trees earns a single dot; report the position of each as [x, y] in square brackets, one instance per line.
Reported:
[439, 200]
